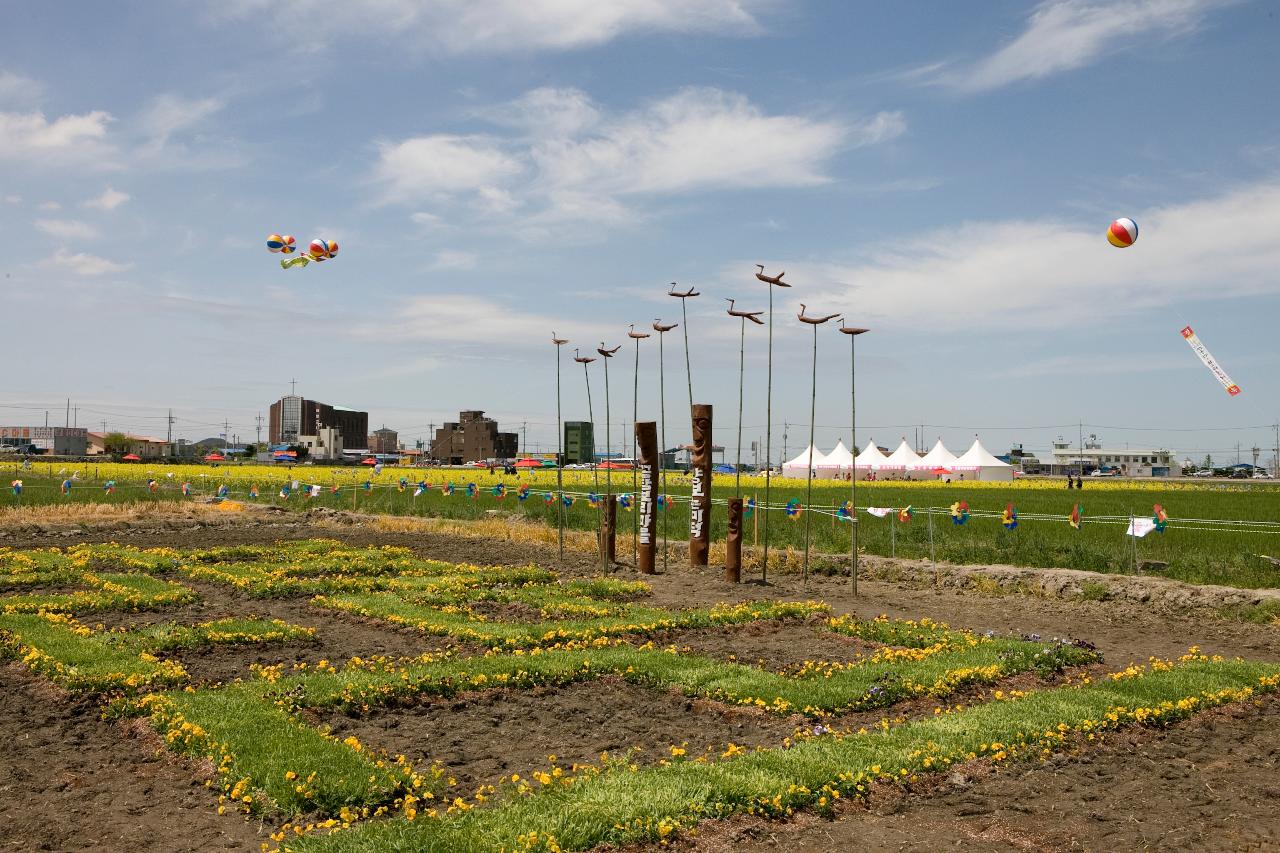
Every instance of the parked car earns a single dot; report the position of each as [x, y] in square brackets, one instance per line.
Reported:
[1203, 472]
[1261, 475]
[1109, 472]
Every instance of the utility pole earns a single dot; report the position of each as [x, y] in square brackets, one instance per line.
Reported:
[75, 416]
[524, 438]
[168, 439]
[226, 434]
[785, 426]
[68, 411]
[104, 427]
[259, 438]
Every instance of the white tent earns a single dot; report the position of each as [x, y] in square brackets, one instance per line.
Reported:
[799, 466]
[904, 460]
[868, 459]
[836, 463]
[978, 464]
[938, 457]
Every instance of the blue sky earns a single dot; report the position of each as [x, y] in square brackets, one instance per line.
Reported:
[496, 169]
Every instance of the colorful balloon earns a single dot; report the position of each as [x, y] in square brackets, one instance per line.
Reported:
[287, 245]
[275, 243]
[333, 247]
[319, 249]
[1122, 233]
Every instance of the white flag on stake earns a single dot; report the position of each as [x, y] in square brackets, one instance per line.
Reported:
[1140, 527]
[879, 511]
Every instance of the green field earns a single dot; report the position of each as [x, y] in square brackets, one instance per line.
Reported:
[1208, 540]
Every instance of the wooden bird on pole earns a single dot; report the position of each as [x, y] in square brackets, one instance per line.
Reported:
[813, 321]
[771, 279]
[753, 316]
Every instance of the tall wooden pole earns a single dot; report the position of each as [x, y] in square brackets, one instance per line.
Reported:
[771, 281]
[607, 532]
[647, 446]
[635, 417]
[700, 493]
[662, 451]
[853, 333]
[559, 342]
[595, 469]
[813, 410]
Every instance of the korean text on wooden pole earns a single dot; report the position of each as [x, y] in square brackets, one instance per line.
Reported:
[700, 491]
[647, 447]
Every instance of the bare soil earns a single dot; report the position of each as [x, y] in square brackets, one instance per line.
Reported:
[69, 781]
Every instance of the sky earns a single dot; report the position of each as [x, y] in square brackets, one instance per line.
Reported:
[496, 170]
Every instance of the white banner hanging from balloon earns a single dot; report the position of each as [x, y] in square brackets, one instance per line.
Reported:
[1207, 357]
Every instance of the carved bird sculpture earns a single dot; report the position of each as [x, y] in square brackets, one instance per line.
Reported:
[813, 321]
[753, 316]
[637, 335]
[771, 279]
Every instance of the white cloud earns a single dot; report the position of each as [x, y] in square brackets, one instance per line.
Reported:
[31, 136]
[67, 230]
[83, 263]
[566, 160]
[109, 200]
[50, 205]
[474, 320]
[169, 114]
[428, 166]
[1062, 35]
[15, 88]
[497, 26]
[452, 259]
[427, 220]
[995, 275]
[13, 199]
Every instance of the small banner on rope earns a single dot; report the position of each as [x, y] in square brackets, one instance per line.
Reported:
[1140, 527]
[879, 511]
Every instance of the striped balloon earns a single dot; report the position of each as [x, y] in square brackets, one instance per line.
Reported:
[333, 247]
[319, 249]
[275, 243]
[1122, 233]
[287, 245]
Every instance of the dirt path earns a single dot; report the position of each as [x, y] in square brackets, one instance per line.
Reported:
[69, 781]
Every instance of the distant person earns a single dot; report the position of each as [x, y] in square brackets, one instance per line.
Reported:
[1070, 484]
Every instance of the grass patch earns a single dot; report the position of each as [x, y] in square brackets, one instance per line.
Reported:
[106, 592]
[73, 657]
[620, 805]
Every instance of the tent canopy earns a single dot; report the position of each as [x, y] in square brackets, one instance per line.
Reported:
[904, 457]
[801, 462]
[870, 456]
[938, 457]
[840, 457]
[987, 467]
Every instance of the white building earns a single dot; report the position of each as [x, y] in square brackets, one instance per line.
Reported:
[1129, 461]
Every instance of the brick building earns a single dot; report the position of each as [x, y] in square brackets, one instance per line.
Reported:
[384, 441]
[473, 438]
[292, 417]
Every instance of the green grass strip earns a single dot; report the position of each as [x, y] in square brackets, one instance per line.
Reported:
[623, 806]
[107, 592]
[636, 619]
[170, 636]
[884, 678]
[70, 655]
[267, 759]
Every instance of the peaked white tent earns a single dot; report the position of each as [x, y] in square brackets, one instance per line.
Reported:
[868, 459]
[836, 463]
[938, 457]
[977, 464]
[799, 466]
[904, 460]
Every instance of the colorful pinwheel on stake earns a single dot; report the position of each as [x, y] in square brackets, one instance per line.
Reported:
[593, 500]
[1160, 517]
[285, 491]
[152, 486]
[449, 490]
[16, 485]
[1077, 516]
[844, 512]
[1009, 518]
[568, 500]
[419, 489]
[749, 507]
[472, 490]
[109, 486]
[253, 491]
[959, 512]
[625, 502]
[794, 509]
[663, 501]
[368, 485]
[522, 493]
[549, 498]
[223, 491]
[403, 484]
[186, 490]
[66, 487]
[499, 491]
[314, 491]
[905, 515]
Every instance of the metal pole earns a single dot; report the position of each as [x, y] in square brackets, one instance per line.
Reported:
[737, 468]
[853, 333]
[607, 543]
[768, 445]
[635, 465]
[662, 451]
[808, 496]
[559, 342]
